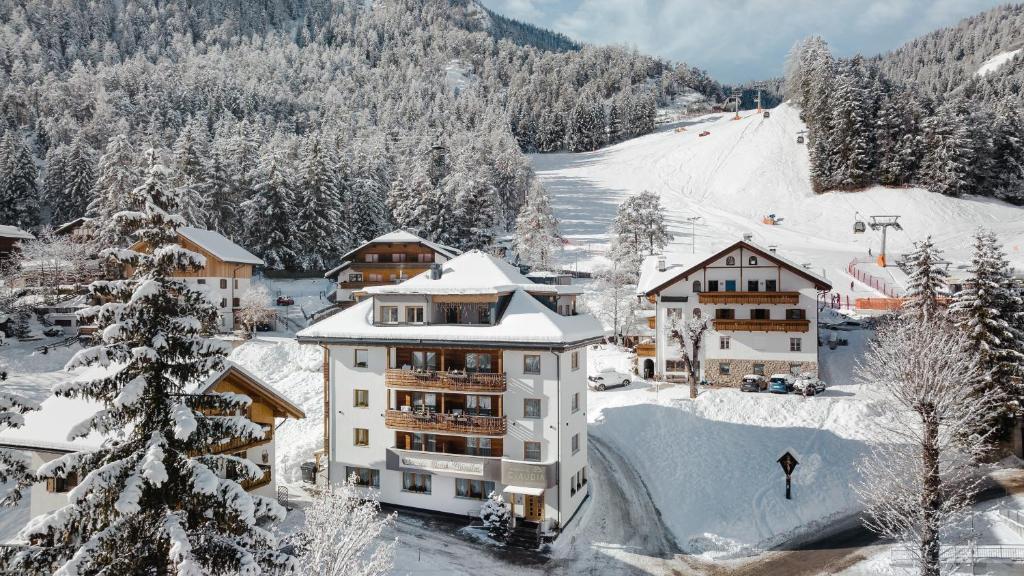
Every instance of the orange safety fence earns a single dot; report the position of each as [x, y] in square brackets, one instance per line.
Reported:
[888, 304]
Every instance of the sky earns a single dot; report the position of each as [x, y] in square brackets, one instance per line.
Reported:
[740, 40]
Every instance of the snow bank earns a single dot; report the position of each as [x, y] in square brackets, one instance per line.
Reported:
[995, 62]
[297, 372]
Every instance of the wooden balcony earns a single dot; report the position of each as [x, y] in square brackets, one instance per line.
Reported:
[647, 349]
[438, 422]
[251, 484]
[791, 298]
[762, 325]
[239, 444]
[454, 381]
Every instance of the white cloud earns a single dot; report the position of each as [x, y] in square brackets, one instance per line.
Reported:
[741, 39]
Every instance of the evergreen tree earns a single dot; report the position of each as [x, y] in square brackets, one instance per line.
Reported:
[468, 218]
[191, 178]
[269, 229]
[221, 207]
[15, 472]
[928, 277]
[852, 126]
[536, 239]
[117, 175]
[551, 131]
[78, 179]
[497, 517]
[149, 500]
[367, 205]
[1007, 179]
[55, 176]
[948, 166]
[985, 310]
[19, 194]
[586, 127]
[318, 209]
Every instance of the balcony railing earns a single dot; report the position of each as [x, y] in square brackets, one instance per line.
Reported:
[252, 484]
[762, 325]
[455, 381]
[749, 298]
[438, 422]
[236, 444]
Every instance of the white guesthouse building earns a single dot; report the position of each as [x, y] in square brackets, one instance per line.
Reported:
[463, 380]
[762, 309]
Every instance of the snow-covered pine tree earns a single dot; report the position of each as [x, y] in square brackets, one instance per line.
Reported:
[928, 277]
[551, 131]
[980, 310]
[19, 193]
[950, 150]
[852, 126]
[15, 471]
[117, 175]
[367, 198]
[1007, 178]
[221, 207]
[586, 126]
[653, 230]
[318, 208]
[616, 120]
[190, 174]
[416, 204]
[468, 218]
[497, 517]
[78, 179]
[269, 224]
[536, 238]
[149, 500]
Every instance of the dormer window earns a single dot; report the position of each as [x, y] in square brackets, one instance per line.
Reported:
[752, 261]
[730, 261]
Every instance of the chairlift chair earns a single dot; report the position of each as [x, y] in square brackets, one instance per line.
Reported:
[859, 227]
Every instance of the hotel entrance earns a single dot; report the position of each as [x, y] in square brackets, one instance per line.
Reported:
[526, 503]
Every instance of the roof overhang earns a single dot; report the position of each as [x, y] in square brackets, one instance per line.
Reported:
[281, 404]
[818, 283]
[450, 344]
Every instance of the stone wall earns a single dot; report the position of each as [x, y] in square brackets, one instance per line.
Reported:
[739, 368]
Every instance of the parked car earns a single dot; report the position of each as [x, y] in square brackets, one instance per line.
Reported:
[802, 383]
[704, 133]
[753, 383]
[780, 384]
[53, 332]
[285, 301]
[609, 378]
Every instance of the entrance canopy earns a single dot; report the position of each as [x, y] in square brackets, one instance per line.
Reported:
[524, 490]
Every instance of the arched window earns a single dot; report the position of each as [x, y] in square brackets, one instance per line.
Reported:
[696, 286]
[730, 261]
[752, 261]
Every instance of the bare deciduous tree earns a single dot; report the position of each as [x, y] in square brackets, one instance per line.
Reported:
[341, 536]
[689, 333]
[255, 308]
[926, 370]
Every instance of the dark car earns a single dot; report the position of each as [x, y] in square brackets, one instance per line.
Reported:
[285, 301]
[53, 331]
[753, 383]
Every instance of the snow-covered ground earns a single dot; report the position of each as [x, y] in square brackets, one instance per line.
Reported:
[743, 170]
[996, 61]
[710, 463]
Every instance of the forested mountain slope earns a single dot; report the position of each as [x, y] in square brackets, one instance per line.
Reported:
[921, 115]
[321, 121]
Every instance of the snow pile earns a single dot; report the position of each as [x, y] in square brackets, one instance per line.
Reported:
[458, 76]
[297, 372]
[711, 467]
[995, 62]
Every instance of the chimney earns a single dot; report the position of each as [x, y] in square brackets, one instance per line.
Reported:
[772, 249]
[661, 263]
[435, 271]
[748, 237]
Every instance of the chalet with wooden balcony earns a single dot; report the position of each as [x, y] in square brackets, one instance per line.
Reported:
[227, 274]
[44, 437]
[467, 379]
[393, 257]
[761, 310]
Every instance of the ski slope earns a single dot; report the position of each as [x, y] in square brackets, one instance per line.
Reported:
[996, 62]
[743, 170]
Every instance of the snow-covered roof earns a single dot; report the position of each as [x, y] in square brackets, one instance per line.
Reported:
[474, 272]
[652, 279]
[7, 231]
[47, 429]
[272, 394]
[525, 321]
[70, 226]
[399, 236]
[219, 246]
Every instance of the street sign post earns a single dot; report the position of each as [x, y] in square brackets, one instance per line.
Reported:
[788, 463]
